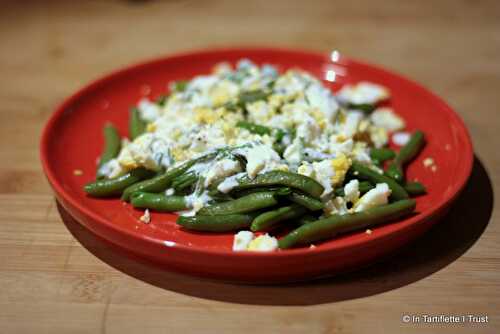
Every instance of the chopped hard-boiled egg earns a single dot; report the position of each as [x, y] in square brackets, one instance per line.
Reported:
[328, 173]
[229, 183]
[146, 217]
[241, 240]
[378, 136]
[363, 93]
[351, 191]
[373, 198]
[263, 243]
[387, 119]
[148, 110]
[401, 138]
[336, 206]
[352, 123]
[261, 158]
[246, 241]
[222, 169]
[294, 152]
[341, 165]
[323, 99]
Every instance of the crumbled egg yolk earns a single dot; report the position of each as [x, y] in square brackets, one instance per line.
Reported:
[320, 118]
[246, 241]
[179, 154]
[151, 127]
[263, 243]
[223, 93]
[340, 165]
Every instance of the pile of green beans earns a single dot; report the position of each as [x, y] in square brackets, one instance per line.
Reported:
[312, 230]
[267, 202]
[329, 227]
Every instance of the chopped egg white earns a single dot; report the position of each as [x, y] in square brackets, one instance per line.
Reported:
[373, 198]
[328, 173]
[229, 183]
[323, 99]
[363, 93]
[222, 169]
[352, 123]
[196, 202]
[261, 158]
[263, 243]
[387, 119]
[401, 138]
[336, 206]
[428, 162]
[351, 191]
[146, 217]
[148, 110]
[247, 241]
[294, 152]
[242, 240]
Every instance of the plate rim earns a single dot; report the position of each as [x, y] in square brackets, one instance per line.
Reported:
[435, 209]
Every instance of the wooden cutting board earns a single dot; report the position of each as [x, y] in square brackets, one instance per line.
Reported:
[56, 277]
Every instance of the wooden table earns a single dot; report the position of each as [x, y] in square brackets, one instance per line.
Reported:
[49, 283]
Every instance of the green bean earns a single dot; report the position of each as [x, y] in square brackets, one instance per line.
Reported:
[180, 85]
[329, 227]
[278, 191]
[306, 219]
[243, 204]
[112, 145]
[364, 172]
[279, 148]
[365, 107]
[252, 96]
[184, 181]
[163, 181]
[114, 187]
[216, 223]
[380, 155]
[136, 126]
[158, 202]
[187, 183]
[279, 134]
[268, 220]
[246, 97]
[219, 197]
[162, 100]
[405, 155]
[415, 188]
[254, 128]
[364, 186]
[288, 179]
[306, 201]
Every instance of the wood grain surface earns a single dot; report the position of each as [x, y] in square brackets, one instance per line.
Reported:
[55, 277]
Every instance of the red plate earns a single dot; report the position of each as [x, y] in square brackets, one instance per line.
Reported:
[72, 140]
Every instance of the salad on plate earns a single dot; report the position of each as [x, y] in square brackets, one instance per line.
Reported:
[260, 153]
